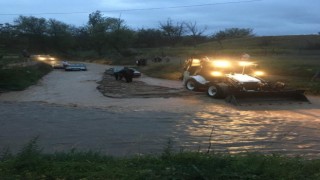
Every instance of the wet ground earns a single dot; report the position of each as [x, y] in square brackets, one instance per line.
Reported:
[66, 110]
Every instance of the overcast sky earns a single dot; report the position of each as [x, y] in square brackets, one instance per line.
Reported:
[265, 17]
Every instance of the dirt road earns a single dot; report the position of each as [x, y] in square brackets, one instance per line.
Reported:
[66, 110]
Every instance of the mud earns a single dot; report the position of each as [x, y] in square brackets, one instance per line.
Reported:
[66, 110]
[110, 87]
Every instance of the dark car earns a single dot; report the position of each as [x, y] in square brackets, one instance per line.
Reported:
[76, 67]
[113, 70]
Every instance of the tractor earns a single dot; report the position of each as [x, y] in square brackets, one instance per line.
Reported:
[235, 81]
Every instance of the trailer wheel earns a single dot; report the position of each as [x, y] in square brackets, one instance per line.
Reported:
[218, 90]
[191, 85]
[213, 91]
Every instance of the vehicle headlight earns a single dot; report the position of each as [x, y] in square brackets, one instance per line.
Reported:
[259, 73]
[41, 58]
[52, 58]
[216, 73]
[221, 64]
[245, 63]
[196, 62]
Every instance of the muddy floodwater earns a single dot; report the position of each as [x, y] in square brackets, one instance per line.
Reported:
[66, 110]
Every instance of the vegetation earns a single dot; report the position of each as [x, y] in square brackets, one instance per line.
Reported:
[31, 163]
[19, 78]
[100, 37]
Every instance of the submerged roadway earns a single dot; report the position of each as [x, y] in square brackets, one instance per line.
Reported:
[66, 111]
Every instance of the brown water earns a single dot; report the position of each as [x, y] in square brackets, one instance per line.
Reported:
[67, 111]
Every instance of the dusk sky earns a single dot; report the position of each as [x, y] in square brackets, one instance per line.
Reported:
[265, 17]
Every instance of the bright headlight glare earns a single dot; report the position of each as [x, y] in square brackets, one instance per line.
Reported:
[216, 73]
[52, 58]
[41, 58]
[245, 63]
[259, 73]
[221, 64]
[195, 62]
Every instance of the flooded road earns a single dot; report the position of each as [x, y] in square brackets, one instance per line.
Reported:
[65, 110]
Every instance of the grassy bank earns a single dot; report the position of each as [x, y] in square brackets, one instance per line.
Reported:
[31, 163]
[19, 78]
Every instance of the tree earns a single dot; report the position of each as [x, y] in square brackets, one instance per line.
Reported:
[81, 37]
[235, 33]
[31, 25]
[8, 34]
[232, 33]
[107, 32]
[172, 32]
[196, 32]
[97, 30]
[149, 38]
[120, 36]
[60, 35]
[193, 28]
[34, 30]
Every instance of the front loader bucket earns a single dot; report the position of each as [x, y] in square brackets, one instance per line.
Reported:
[267, 97]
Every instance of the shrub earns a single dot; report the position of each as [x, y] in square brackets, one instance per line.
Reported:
[19, 78]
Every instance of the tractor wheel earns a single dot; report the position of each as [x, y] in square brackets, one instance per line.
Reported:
[192, 85]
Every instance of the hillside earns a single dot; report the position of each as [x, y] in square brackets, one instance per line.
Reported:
[262, 45]
[301, 42]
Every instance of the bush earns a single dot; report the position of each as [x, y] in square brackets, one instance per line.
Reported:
[19, 78]
[31, 163]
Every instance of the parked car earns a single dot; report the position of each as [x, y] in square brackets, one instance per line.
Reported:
[111, 71]
[76, 67]
[57, 65]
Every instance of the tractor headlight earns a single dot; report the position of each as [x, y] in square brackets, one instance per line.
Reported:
[245, 63]
[216, 73]
[221, 64]
[196, 62]
[52, 58]
[258, 73]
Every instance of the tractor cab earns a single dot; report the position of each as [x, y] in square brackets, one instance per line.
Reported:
[199, 72]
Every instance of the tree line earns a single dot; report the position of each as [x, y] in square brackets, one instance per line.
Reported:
[104, 34]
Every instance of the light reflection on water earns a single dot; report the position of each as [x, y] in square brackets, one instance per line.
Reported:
[233, 131]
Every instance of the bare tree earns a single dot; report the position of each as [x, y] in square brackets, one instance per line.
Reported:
[195, 31]
[193, 28]
[172, 31]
